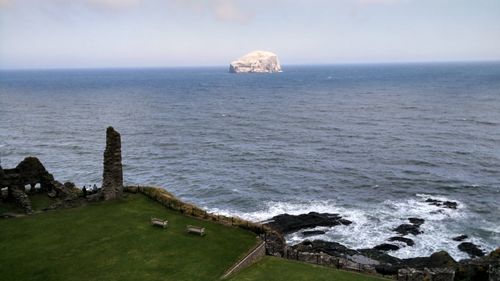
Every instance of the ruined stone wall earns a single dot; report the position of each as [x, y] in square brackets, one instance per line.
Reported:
[434, 274]
[30, 171]
[112, 183]
[325, 259]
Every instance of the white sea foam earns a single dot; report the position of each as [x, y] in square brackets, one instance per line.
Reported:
[274, 208]
[373, 225]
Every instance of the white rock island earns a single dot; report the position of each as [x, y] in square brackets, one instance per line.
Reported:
[256, 62]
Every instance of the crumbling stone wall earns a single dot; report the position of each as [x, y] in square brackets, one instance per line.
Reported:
[30, 171]
[112, 183]
[434, 274]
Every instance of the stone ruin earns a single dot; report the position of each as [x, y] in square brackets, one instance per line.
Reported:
[30, 176]
[434, 274]
[112, 176]
[31, 172]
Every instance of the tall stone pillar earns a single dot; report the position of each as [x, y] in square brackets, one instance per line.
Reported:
[112, 178]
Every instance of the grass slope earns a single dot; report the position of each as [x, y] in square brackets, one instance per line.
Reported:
[114, 241]
[286, 270]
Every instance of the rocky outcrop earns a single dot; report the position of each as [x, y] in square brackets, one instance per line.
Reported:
[408, 241]
[460, 238]
[406, 229]
[416, 221]
[332, 248]
[381, 261]
[286, 223]
[112, 183]
[486, 268]
[308, 233]
[439, 259]
[438, 266]
[256, 62]
[441, 203]
[470, 249]
[413, 228]
[386, 247]
[381, 257]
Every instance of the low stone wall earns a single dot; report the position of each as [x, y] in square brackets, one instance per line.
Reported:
[435, 274]
[168, 200]
[328, 260]
[255, 255]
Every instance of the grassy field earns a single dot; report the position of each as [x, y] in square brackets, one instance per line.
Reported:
[286, 270]
[114, 241]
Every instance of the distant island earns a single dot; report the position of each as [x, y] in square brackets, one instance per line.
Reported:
[256, 62]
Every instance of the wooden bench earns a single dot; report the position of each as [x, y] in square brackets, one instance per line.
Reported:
[195, 229]
[159, 222]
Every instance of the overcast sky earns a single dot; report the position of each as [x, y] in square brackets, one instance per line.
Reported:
[157, 33]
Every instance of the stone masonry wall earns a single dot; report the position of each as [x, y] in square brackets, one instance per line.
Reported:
[112, 183]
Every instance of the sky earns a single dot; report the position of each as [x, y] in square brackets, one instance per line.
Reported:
[169, 33]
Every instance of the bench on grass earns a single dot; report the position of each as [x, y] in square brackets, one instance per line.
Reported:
[195, 229]
[159, 222]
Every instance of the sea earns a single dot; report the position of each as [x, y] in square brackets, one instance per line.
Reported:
[370, 142]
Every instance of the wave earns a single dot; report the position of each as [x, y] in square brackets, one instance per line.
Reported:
[373, 225]
[274, 208]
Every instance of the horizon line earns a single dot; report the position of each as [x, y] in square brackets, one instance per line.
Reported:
[227, 65]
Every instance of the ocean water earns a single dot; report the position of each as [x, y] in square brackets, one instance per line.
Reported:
[370, 142]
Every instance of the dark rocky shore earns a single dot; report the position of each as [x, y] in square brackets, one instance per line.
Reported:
[378, 259]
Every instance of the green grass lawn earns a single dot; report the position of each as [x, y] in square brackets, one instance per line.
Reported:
[286, 270]
[114, 241]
